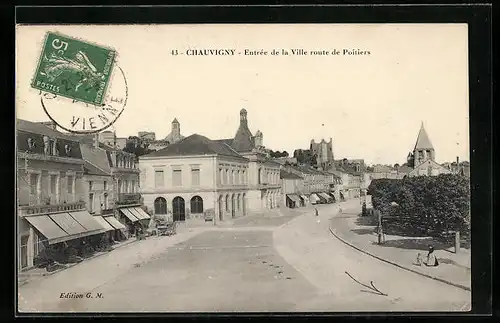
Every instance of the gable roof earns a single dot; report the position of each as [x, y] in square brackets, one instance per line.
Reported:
[196, 145]
[93, 170]
[423, 141]
[429, 161]
[243, 140]
[288, 175]
[41, 129]
[96, 156]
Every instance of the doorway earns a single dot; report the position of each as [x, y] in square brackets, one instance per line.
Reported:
[179, 209]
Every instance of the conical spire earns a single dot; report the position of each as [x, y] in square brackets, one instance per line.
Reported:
[423, 141]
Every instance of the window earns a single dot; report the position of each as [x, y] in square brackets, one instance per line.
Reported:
[90, 185]
[34, 183]
[159, 180]
[235, 179]
[106, 201]
[53, 184]
[196, 204]
[195, 177]
[91, 203]
[227, 203]
[133, 186]
[160, 206]
[70, 184]
[260, 176]
[105, 185]
[119, 189]
[221, 175]
[177, 177]
[230, 176]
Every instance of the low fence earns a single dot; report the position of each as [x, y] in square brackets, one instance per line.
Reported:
[413, 226]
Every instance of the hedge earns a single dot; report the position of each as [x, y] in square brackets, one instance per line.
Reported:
[435, 204]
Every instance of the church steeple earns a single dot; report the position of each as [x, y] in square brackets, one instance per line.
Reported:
[243, 140]
[423, 150]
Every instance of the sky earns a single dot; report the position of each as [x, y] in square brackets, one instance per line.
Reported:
[372, 106]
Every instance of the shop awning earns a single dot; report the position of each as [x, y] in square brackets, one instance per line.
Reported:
[326, 196]
[140, 213]
[114, 222]
[103, 223]
[294, 198]
[87, 221]
[48, 228]
[314, 197]
[59, 227]
[304, 198]
[67, 223]
[129, 214]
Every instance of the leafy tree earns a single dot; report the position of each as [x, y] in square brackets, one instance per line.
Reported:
[396, 166]
[284, 153]
[433, 204]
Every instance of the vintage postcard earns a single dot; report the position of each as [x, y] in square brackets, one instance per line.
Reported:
[243, 168]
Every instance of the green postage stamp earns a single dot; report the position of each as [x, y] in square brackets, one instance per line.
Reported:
[74, 69]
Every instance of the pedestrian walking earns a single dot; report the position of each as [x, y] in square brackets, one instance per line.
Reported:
[316, 211]
[431, 258]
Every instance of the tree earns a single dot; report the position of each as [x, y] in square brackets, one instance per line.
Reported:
[396, 166]
[284, 153]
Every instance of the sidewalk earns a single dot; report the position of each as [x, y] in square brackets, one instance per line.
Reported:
[34, 295]
[38, 273]
[360, 233]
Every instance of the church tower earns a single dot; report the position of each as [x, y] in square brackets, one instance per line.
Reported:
[176, 128]
[175, 133]
[423, 150]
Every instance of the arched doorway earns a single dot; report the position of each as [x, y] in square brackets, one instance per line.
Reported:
[197, 205]
[233, 204]
[221, 208]
[160, 205]
[244, 204]
[178, 209]
[238, 203]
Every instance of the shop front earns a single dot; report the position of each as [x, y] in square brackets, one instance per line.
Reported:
[57, 237]
[134, 218]
[293, 200]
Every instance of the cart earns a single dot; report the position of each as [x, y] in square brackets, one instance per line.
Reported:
[166, 228]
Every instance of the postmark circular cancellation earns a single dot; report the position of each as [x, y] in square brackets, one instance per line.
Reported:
[81, 87]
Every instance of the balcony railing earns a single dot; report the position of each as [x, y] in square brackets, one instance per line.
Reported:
[129, 198]
[51, 208]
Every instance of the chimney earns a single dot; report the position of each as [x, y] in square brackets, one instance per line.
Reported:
[457, 160]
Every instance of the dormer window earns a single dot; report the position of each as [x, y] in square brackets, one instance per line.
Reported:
[31, 144]
[67, 150]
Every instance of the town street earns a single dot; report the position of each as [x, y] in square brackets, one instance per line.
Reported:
[257, 265]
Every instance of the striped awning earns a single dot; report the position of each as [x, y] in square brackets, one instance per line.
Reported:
[114, 222]
[140, 213]
[294, 198]
[103, 223]
[326, 196]
[314, 197]
[64, 226]
[128, 213]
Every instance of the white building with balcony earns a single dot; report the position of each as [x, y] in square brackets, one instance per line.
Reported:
[50, 191]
